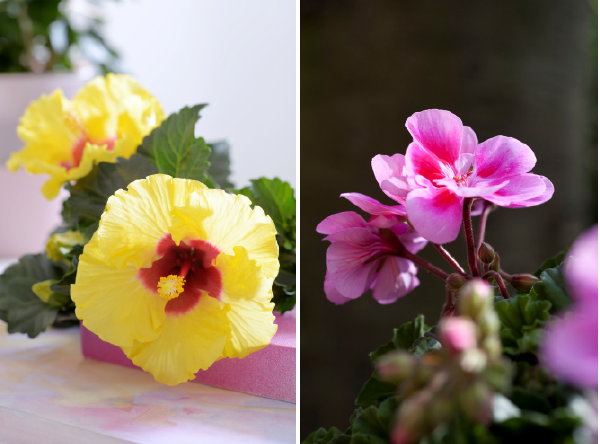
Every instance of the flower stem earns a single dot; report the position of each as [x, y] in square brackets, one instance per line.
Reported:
[487, 209]
[449, 258]
[427, 266]
[500, 281]
[468, 227]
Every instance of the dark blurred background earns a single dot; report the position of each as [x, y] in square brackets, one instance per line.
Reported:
[520, 68]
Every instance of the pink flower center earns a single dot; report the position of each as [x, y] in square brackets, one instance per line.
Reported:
[461, 179]
[193, 261]
[81, 142]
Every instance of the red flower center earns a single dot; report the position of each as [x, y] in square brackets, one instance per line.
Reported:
[79, 146]
[192, 260]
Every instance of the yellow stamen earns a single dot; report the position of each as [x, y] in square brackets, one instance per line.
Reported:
[171, 286]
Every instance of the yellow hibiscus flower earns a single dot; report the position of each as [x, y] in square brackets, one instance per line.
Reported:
[179, 275]
[108, 118]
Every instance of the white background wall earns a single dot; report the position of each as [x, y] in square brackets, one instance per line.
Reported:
[236, 55]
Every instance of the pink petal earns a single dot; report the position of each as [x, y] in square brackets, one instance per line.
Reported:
[581, 270]
[569, 349]
[390, 174]
[332, 294]
[420, 162]
[436, 214]
[438, 131]
[518, 192]
[503, 157]
[373, 206]
[539, 199]
[396, 278]
[469, 141]
[340, 221]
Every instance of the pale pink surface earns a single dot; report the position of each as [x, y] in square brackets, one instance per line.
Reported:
[444, 165]
[50, 394]
[569, 348]
[365, 256]
[270, 372]
[28, 216]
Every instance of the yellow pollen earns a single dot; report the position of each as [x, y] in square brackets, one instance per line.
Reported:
[171, 286]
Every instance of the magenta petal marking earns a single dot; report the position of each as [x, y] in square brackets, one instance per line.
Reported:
[502, 157]
[518, 191]
[340, 221]
[436, 214]
[438, 131]
[396, 278]
[390, 174]
[373, 206]
[420, 162]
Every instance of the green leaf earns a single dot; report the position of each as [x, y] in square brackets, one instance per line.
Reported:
[373, 424]
[552, 288]
[23, 311]
[89, 194]
[521, 319]
[327, 436]
[553, 262]
[219, 170]
[174, 148]
[410, 336]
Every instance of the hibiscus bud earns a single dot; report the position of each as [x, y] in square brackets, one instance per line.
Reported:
[455, 281]
[475, 298]
[486, 253]
[60, 244]
[523, 282]
[396, 366]
[42, 289]
[457, 334]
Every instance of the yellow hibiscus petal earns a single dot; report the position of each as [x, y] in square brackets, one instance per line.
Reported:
[242, 277]
[187, 343]
[136, 219]
[227, 227]
[113, 303]
[252, 327]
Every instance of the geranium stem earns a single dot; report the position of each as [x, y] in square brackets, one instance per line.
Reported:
[427, 266]
[487, 209]
[449, 258]
[468, 227]
[500, 281]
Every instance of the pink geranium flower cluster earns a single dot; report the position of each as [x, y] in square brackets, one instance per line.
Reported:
[444, 171]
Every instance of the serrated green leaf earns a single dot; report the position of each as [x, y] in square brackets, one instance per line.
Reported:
[553, 262]
[174, 148]
[521, 319]
[373, 424]
[327, 436]
[220, 170]
[88, 196]
[551, 288]
[20, 307]
[403, 337]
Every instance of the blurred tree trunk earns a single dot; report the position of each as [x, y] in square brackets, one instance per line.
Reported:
[520, 68]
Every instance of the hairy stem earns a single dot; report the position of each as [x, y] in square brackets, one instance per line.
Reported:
[487, 209]
[468, 227]
[501, 284]
[449, 258]
[425, 265]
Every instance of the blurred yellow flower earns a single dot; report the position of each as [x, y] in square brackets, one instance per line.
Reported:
[108, 118]
[179, 275]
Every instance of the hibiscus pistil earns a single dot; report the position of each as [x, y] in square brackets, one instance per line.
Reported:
[171, 286]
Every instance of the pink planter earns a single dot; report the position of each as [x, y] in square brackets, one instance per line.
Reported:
[270, 372]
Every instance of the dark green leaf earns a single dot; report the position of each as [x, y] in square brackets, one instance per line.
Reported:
[373, 424]
[88, 196]
[553, 262]
[23, 311]
[174, 148]
[327, 436]
[403, 337]
[219, 170]
[551, 288]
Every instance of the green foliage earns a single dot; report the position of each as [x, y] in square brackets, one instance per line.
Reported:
[174, 148]
[219, 169]
[276, 198]
[552, 288]
[20, 307]
[332, 435]
[87, 197]
[372, 425]
[37, 36]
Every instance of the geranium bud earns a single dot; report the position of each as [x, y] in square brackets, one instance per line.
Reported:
[396, 366]
[457, 334]
[523, 282]
[486, 253]
[474, 298]
[455, 281]
[495, 265]
[473, 361]
[476, 401]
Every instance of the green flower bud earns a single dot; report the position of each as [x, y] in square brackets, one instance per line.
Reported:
[396, 366]
[475, 298]
[523, 282]
[42, 289]
[476, 400]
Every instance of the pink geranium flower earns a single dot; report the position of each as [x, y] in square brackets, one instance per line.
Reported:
[444, 165]
[366, 256]
[570, 346]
